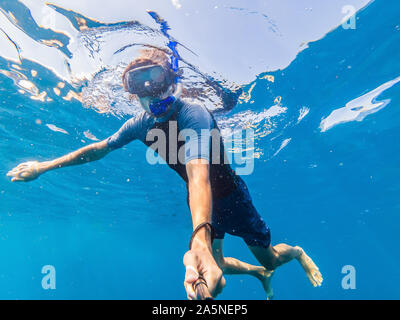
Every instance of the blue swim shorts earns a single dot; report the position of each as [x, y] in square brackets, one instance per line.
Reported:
[235, 214]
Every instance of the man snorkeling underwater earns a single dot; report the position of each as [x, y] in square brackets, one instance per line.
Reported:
[218, 198]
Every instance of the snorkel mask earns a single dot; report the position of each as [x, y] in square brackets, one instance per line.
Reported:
[151, 81]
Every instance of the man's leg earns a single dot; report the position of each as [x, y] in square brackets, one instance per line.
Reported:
[233, 266]
[273, 257]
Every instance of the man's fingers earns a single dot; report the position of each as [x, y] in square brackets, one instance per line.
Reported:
[12, 172]
[211, 273]
[220, 287]
[191, 295]
[190, 278]
[190, 262]
[213, 278]
[20, 167]
[16, 179]
[191, 274]
[25, 174]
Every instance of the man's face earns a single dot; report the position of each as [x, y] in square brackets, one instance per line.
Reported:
[149, 83]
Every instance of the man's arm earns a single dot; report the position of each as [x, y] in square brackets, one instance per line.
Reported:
[200, 199]
[130, 130]
[92, 152]
[199, 259]
[28, 171]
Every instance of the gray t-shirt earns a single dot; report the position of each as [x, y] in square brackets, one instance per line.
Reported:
[196, 124]
[193, 118]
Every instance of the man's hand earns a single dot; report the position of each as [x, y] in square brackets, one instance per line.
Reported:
[30, 170]
[26, 171]
[201, 262]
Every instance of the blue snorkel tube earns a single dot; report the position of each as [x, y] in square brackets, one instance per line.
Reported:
[160, 108]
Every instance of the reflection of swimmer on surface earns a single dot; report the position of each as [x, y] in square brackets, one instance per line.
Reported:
[218, 198]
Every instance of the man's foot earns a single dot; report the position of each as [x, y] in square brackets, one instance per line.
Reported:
[310, 268]
[266, 277]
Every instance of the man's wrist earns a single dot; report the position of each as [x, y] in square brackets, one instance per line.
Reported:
[42, 167]
[202, 239]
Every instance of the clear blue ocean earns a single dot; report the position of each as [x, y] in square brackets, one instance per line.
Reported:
[323, 100]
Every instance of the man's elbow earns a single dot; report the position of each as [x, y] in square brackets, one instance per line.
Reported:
[96, 151]
[101, 145]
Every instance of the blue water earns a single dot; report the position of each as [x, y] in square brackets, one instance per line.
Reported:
[114, 229]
